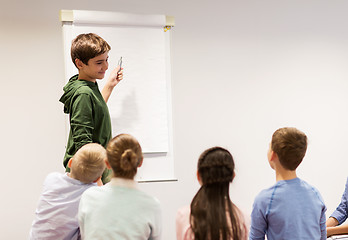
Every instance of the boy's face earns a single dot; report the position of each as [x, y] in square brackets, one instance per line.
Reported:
[95, 69]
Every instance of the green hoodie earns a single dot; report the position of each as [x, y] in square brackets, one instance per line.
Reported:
[89, 116]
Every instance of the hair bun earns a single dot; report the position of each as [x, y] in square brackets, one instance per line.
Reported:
[128, 160]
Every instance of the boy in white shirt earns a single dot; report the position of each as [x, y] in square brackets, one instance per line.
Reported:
[56, 213]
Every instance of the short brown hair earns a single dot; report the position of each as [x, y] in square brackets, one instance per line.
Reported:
[88, 45]
[290, 144]
[124, 155]
[89, 162]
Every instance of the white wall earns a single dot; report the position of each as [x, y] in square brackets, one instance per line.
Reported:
[241, 69]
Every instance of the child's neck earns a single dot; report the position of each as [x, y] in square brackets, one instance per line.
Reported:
[282, 174]
[83, 76]
[71, 175]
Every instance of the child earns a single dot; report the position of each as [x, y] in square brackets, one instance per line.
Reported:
[290, 209]
[119, 210]
[56, 214]
[86, 106]
[212, 215]
[339, 216]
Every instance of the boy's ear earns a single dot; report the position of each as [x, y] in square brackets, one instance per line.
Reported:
[79, 63]
[69, 163]
[274, 156]
[99, 181]
[107, 164]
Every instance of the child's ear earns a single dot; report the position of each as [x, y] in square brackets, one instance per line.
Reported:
[69, 163]
[79, 63]
[107, 164]
[274, 156]
[141, 162]
[199, 178]
[273, 159]
[99, 181]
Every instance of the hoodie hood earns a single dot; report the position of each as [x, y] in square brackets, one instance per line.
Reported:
[70, 90]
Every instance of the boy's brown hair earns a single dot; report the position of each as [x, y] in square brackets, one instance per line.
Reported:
[88, 45]
[290, 144]
[88, 163]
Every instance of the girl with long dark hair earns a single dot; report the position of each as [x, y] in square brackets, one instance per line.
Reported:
[212, 215]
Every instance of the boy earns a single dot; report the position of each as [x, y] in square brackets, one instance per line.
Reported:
[56, 214]
[290, 209]
[86, 106]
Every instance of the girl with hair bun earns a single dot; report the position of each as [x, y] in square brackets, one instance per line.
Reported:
[118, 210]
[212, 215]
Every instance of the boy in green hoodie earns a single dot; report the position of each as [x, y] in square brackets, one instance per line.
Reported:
[85, 104]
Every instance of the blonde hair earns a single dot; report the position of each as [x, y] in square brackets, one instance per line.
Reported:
[88, 163]
[124, 155]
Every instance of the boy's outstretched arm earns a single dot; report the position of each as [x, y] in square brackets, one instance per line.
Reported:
[115, 77]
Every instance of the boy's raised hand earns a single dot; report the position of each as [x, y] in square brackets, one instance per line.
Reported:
[115, 77]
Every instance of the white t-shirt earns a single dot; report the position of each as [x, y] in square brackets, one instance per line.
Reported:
[56, 213]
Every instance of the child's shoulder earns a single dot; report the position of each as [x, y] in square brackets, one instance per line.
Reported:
[147, 197]
[93, 192]
[84, 87]
[183, 211]
[53, 177]
[78, 86]
[267, 192]
[53, 180]
[280, 187]
[144, 198]
[307, 186]
[315, 193]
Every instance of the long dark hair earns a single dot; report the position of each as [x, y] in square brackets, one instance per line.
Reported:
[213, 215]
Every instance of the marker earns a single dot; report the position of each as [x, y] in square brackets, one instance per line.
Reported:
[120, 64]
